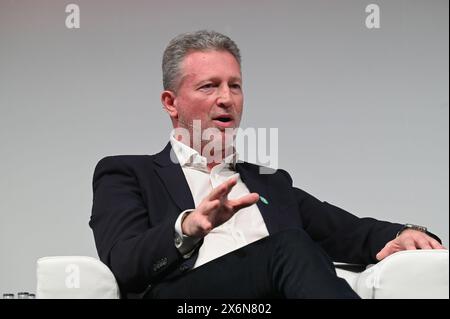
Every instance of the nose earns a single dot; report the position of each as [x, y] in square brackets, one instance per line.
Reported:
[224, 99]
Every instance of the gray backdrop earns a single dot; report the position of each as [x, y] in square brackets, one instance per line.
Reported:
[362, 113]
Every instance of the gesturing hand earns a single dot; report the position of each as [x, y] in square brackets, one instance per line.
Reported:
[215, 209]
[409, 240]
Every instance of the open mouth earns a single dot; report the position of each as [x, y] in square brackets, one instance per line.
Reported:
[224, 121]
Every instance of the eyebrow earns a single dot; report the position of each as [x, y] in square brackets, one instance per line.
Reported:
[232, 79]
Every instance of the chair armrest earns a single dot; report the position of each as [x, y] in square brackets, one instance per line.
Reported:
[417, 274]
[349, 272]
[74, 277]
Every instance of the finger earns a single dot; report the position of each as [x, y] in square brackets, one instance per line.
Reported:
[212, 205]
[222, 189]
[206, 226]
[423, 244]
[217, 192]
[208, 206]
[409, 244]
[435, 244]
[386, 251]
[230, 184]
[244, 201]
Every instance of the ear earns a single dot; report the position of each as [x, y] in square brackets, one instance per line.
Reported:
[169, 104]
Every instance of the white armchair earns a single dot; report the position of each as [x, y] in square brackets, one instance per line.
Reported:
[74, 277]
[409, 274]
[406, 274]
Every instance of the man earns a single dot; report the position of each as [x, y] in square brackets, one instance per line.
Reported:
[192, 222]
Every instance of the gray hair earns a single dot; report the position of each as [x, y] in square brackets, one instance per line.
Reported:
[182, 44]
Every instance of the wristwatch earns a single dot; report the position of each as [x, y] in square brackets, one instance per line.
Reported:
[423, 229]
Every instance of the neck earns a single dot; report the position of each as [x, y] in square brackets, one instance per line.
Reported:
[212, 165]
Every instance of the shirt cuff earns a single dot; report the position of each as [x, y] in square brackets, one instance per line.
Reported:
[185, 244]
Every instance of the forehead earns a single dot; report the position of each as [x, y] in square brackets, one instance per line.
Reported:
[200, 65]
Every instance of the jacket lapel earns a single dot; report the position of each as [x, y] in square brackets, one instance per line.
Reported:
[259, 183]
[173, 178]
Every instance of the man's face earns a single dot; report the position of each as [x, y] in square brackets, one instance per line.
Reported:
[210, 91]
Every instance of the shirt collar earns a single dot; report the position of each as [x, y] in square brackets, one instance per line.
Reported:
[188, 157]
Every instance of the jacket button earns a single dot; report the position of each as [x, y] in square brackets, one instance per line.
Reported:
[159, 264]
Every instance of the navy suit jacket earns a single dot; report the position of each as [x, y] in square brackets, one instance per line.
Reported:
[137, 199]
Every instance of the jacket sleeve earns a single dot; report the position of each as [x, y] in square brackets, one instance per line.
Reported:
[137, 252]
[344, 236]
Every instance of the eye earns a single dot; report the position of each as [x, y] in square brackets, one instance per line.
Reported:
[207, 86]
[235, 86]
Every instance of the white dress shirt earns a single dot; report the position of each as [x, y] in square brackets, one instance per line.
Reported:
[245, 227]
